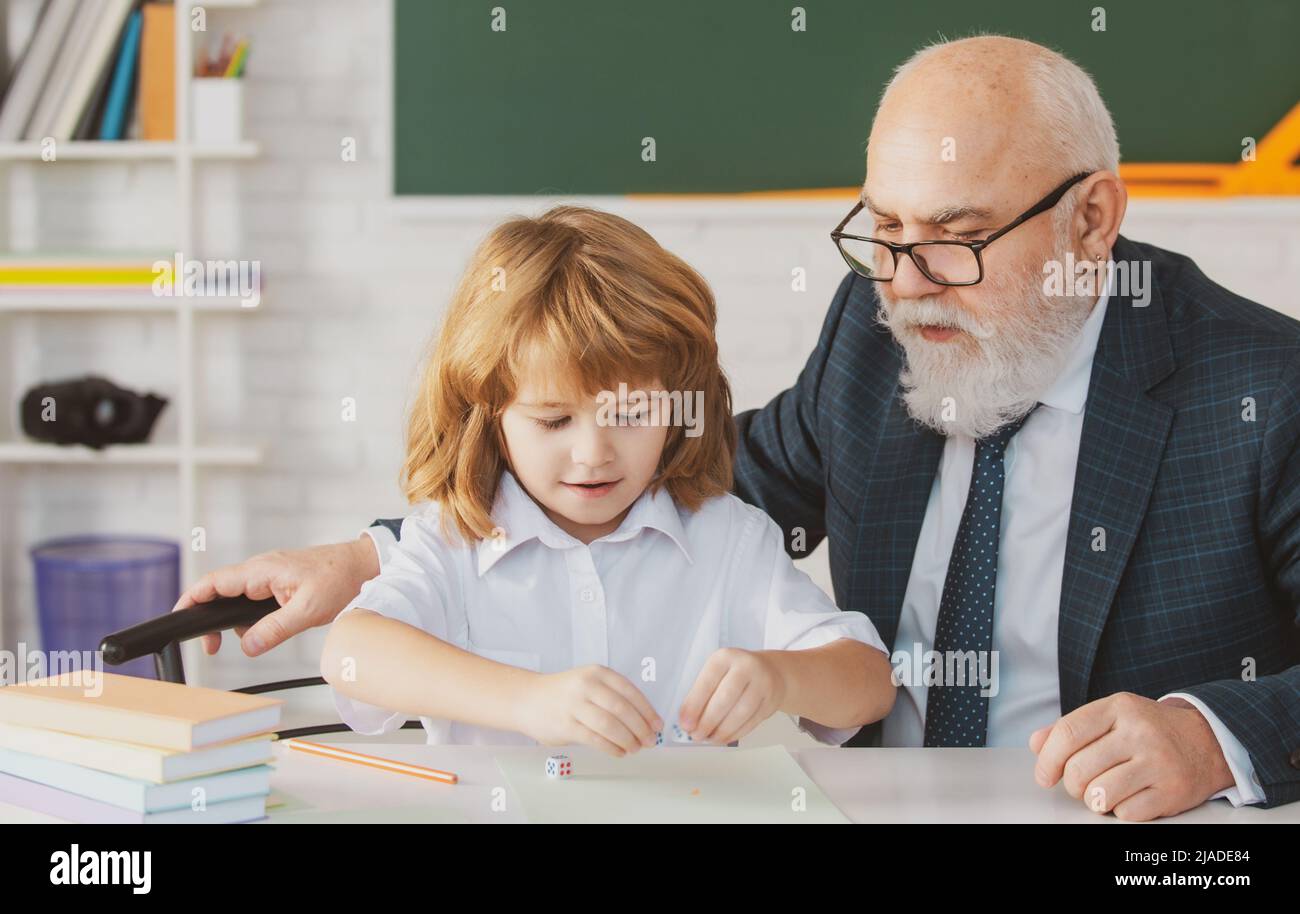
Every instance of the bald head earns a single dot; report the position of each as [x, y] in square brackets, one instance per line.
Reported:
[992, 111]
[967, 102]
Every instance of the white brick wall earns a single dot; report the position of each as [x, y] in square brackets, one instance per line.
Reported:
[354, 285]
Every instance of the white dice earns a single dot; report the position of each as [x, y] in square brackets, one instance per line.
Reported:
[559, 766]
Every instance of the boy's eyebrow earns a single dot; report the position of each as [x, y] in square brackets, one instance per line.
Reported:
[940, 216]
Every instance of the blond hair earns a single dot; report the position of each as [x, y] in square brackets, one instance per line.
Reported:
[601, 302]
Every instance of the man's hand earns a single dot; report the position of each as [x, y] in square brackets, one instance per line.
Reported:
[735, 692]
[591, 705]
[1138, 758]
[311, 585]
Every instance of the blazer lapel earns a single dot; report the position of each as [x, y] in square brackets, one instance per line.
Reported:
[891, 512]
[1120, 450]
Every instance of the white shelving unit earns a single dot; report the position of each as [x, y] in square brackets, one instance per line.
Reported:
[111, 302]
[187, 455]
[20, 452]
[130, 150]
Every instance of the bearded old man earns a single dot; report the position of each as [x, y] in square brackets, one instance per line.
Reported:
[1087, 492]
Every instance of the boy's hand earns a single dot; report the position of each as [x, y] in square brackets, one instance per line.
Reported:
[591, 705]
[735, 692]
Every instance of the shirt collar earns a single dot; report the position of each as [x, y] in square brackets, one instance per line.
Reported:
[521, 519]
[1069, 391]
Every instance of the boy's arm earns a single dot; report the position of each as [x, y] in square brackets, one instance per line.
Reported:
[835, 689]
[786, 648]
[387, 663]
[816, 681]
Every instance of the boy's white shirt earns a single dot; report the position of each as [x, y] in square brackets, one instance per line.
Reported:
[652, 600]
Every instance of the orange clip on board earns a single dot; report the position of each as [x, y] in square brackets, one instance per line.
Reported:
[1272, 172]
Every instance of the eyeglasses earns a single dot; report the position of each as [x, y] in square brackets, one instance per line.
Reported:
[948, 263]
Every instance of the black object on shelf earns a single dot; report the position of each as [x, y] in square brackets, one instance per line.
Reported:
[92, 411]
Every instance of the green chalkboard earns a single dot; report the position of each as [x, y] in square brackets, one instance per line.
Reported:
[561, 99]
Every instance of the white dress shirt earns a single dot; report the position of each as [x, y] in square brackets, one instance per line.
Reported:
[652, 600]
[1040, 465]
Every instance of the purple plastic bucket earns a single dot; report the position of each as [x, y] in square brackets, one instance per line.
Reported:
[90, 586]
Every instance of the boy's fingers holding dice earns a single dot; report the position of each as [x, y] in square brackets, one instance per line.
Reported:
[738, 716]
[603, 723]
[638, 700]
[750, 725]
[724, 698]
[693, 706]
[590, 737]
[614, 702]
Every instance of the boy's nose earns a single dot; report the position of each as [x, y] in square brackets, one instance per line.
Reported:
[592, 448]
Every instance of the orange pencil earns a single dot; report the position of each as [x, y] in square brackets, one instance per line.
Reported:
[372, 761]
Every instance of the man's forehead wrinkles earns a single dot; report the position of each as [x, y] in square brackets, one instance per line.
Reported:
[947, 212]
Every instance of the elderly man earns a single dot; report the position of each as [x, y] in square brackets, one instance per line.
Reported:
[1071, 506]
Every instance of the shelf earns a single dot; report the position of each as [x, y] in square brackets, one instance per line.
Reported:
[187, 163]
[123, 150]
[25, 452]
[110, 302]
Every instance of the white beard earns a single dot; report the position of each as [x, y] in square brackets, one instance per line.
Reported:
[979, 381]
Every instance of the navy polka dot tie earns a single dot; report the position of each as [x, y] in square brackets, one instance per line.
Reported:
[957, 714]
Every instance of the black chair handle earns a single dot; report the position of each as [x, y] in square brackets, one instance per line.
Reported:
[161, 636]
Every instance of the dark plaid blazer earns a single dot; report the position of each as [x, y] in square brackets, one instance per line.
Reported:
[1199, 581]
[1189, 461]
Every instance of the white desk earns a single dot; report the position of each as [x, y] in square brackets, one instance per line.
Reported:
[868, 785]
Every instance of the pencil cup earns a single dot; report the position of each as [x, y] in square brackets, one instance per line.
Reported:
[217, 111]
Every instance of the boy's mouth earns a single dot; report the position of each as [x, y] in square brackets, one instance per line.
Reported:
[591, 489]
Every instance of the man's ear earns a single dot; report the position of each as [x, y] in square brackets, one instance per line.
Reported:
[1103, 200]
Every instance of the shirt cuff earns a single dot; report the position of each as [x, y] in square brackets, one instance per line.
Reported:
[854, 629]
[384, 542]
[370, 720]
[827, 735]
[1248, 789]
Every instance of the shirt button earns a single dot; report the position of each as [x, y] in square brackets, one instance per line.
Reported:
[586, 595]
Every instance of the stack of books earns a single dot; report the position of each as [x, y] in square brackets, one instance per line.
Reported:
[93, 748]
[95, 70]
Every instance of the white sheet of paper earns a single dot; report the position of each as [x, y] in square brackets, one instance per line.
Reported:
[697, 784]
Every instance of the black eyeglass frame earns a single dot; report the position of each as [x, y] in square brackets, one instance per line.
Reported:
[1042, 206]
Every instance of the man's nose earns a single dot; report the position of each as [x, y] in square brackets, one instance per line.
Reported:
[910, 282]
